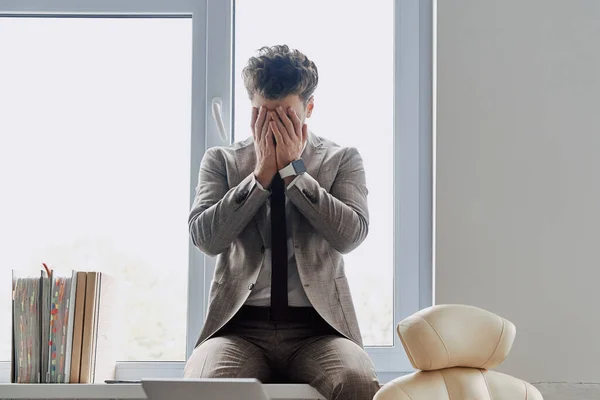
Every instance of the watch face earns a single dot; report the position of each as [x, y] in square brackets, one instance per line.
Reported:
[299, 166]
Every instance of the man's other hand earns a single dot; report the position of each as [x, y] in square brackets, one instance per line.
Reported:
[264, 146]
[290, 135]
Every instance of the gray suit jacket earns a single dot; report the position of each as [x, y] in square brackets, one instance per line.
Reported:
[330, 217]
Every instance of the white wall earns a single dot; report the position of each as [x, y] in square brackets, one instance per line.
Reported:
[518, 175]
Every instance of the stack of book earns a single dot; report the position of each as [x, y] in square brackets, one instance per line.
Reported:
[63, 327]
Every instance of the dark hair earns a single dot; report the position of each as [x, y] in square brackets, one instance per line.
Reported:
[277, 72]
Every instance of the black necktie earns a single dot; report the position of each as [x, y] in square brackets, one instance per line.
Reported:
[279, 266]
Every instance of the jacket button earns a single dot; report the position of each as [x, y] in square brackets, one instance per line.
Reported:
[262, 249]
[312, 198]
[251, 286]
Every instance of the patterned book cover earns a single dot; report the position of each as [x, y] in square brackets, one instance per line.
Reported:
[45, 301]
[26, 329]
[60, 328]
[44, 343]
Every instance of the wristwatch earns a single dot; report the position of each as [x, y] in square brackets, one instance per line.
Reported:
[296, 167]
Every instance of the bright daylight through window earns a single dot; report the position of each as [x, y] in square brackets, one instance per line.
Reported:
[353, 107]
[95, 161]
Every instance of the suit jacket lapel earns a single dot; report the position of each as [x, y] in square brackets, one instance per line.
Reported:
[313, 158]
[245, 159]
[313, 155]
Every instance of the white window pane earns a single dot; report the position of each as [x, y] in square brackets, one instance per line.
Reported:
[352, 45]
[95, 164]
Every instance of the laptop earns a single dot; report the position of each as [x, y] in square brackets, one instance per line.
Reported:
[203, 389]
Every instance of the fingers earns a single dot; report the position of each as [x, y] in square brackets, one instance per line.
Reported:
[289, 126]
[296, 121]
[278, 134]
[259, 124]
[265, 126]
[304, 133]
[282, 128]
[254, 118]
[269, 141]
[278, 125]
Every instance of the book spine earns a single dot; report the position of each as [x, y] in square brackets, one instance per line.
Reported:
[69, 326]
[40, 339]
[78, 327]
[85, 375]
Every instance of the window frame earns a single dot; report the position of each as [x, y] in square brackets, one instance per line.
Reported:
[197, 11]
[413, 174]
[413, 149]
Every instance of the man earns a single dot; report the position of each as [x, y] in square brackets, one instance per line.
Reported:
[279, 210]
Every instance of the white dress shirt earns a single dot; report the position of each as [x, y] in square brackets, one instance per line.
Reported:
[261, 293]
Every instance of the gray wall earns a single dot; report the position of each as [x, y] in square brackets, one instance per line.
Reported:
[518, 175]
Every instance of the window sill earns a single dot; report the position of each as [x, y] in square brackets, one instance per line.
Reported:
[129, 391]
[387, 369]
[71, 391]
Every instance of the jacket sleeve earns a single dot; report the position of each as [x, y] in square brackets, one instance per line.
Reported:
[341, 216]
[219, 213]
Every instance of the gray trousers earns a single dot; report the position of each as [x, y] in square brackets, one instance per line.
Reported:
[291, 352]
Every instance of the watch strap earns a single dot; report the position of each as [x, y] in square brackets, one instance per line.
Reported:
[288, 170]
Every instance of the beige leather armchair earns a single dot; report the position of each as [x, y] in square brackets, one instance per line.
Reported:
[454, 346]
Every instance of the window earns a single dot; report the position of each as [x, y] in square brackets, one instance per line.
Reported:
[101, 134]
[95, 149]
[104, 124]
[353, 107]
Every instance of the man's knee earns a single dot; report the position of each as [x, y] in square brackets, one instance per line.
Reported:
[354, 383]
[196, 366]
[226, 357]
